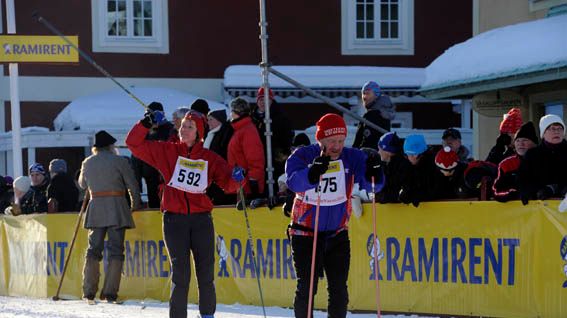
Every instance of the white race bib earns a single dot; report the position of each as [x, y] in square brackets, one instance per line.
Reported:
[190, 175]
[332, 186]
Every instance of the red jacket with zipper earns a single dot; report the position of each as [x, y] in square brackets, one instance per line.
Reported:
[245, 150]
[162, 155]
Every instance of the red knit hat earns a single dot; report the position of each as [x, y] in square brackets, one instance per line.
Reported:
[446, 159]
[330, 125]
[512, 121]
[200, 122]
[261, 93]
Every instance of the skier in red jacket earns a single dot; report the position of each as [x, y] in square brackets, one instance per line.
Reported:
[188, 170]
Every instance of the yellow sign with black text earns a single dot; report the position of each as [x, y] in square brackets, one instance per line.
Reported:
[461, 258]
[38, 49]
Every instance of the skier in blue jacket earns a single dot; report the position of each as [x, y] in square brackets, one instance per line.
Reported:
[334, 170]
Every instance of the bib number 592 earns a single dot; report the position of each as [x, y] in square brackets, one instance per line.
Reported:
[191, 178]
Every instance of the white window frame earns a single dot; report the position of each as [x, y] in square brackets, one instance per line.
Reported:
[158, 43]
[404, 45]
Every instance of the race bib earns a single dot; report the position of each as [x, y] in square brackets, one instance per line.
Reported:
[190, 175]
[332, 186]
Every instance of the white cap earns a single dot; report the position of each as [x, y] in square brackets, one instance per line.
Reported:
[549, 120]
[22, 183]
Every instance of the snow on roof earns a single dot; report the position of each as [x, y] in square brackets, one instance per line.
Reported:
[116, 110]
[325, 76]
[506, 51]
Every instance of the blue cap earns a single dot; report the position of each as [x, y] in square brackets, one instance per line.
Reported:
[389, 142]
[372, 86]
[415, 145]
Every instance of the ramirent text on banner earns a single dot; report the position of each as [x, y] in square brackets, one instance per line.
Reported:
[455, 258]
[37, 48]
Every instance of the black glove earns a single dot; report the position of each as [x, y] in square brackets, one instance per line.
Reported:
[415, 202]
[504, 140]
[373, 169]
[318, 168]
[254, 187]
[405, 196]
[147, 120]
[546, 192]
[153, 117]
[525, 198]
[287, 209]
[240, 206]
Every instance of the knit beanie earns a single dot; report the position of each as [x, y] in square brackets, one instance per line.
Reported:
[219, 114]
[330, 125]
[36, 167]
[58, 166]
[527, 131]
[389, 142]
[446, 159]
[415, 145]
[200, 122]
[549, 120]
[261, 94]
[201, 106]
[240, 106]
[371, 85]
[22, 183]
[155, 106]
[300, 139]
[511, 121]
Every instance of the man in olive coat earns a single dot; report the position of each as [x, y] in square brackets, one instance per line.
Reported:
[108, 177]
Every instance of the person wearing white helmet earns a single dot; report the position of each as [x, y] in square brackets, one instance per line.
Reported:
[543, 173]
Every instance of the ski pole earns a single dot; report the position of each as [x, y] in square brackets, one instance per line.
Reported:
[314, 252]
[84, 55]
[254, 263]
[375, 248]
[83, 208]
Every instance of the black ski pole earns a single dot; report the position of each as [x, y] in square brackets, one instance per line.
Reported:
[83, 208]
[254, 262]
[84, 55]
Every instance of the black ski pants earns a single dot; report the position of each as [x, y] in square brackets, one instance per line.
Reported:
[333, 257]
[185, 234]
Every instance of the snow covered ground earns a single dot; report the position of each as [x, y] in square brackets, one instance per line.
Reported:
[12, 307]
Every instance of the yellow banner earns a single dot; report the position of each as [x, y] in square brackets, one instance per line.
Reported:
[37, 48]
[454, 258]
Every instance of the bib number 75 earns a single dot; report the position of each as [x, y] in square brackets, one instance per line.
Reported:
[328, 185]
[191, 178]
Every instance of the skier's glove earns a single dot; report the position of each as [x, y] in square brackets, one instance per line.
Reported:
[546, 192]
[373, 169]
[238, 174]
[318, 168]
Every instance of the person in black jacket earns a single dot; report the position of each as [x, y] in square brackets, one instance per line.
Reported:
[220, 132]
[62, 193]
[543, 172]
[397, 169]
[504, 147]
[281, 131]
[35, 199]
[379, 110]
[450, 182]
[424, 170]
[161, 131]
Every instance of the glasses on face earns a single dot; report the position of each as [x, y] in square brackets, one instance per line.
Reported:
[556, 129]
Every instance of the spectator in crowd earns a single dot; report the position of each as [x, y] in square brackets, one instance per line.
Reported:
[62, 193]
[21, 186]
[424, 170]
[202, 107]
[245, 148]
[308, 170]
[6, 193]
[543, 172]
[176, 117]
[479, 177]
[299, 140]
[280, 127]
[506, 186]
[450, 182]
[220, 132]
[452, 138]
[35, 200]
[107, 176]
[379, 110]
[504, 147]
[161, 130]
[397, 169]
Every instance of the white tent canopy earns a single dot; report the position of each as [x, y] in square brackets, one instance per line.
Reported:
[116, 110]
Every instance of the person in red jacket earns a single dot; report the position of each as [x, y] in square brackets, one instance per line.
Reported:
[245, 148]
[188, 170]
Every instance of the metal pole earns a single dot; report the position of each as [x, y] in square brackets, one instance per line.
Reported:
[265, 83]
[84, 55]
[326, 100]
[14, 98]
